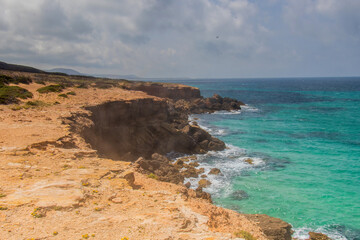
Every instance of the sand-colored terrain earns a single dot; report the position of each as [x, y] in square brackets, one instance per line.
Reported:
[53, 185]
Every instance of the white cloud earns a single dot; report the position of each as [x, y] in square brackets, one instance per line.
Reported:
[326, 20]
[169, 37]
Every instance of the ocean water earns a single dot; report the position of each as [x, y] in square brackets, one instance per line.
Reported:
[303, 139]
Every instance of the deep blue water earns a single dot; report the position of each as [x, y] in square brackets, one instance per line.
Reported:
[303, 139]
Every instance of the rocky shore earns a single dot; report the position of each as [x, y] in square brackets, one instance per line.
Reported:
[93, 164]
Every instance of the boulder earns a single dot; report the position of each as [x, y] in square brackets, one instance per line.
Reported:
[204, 183]
[160, 166]
[215, 171]
[190, 172]
[249, 161]
[318, 236]
[201, 194]
[273, 228]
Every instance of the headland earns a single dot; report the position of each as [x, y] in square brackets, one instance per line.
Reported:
[85, 157]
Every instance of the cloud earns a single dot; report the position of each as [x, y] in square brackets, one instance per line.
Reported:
[176, 38]
[326, 20]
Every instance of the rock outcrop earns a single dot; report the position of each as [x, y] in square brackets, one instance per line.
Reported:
[161, 167]
[208, 105]
[273, 228]
[142, 127]
[318, 236]
[172, 91]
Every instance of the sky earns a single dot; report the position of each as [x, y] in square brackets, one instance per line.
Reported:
[184, 38]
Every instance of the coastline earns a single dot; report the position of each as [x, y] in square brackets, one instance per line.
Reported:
[47, 159]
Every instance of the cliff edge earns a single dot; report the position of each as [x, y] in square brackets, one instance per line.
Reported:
[86, 161]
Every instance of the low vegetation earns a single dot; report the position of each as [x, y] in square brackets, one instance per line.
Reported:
[51, 88]
[31, 104]
[245, 235]
[63, 95]
[11, 94]
[58, 82]
[153, 176]
[5, 80]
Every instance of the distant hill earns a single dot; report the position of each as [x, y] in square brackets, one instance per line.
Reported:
[61, 71]
[114, 76]
[67, 71]
[19, 68]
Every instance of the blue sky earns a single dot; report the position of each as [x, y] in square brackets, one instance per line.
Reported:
[185, 38]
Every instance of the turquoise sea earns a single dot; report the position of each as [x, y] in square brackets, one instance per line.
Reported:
[303, 138]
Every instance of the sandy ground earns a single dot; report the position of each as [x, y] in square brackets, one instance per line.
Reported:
[51, 192]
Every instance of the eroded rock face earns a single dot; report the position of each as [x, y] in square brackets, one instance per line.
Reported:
[208, 105]
[172, 91]
[160, 166]
[139, 128]
[273, 228]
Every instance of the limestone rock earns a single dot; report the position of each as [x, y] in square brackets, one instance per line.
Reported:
[48, 193]
[273, 228]
[318, 236]
[204, 183]
[215, 171]
[249, 161]
[160, 166]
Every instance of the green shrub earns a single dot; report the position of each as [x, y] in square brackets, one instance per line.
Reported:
[5, 80]
[36, 103]
[63, 95]
[10, 94]
[71, 93]
[105, 85]
[51, 88]
[42, 82]
[16, 107]
[244, 234]
[153, 176]
[83, 85]
[23, 79]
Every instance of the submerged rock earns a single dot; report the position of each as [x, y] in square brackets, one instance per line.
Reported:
[239, 195]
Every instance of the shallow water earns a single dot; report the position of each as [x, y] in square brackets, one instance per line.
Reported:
[303, 136]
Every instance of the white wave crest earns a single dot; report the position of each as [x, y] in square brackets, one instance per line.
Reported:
[303, 233]
[249, 108]
[232, 162]
[232, 112]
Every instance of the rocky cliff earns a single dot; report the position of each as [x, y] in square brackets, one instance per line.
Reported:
[142, 127]
[167, 90]
[144, 130]
[59, 180]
